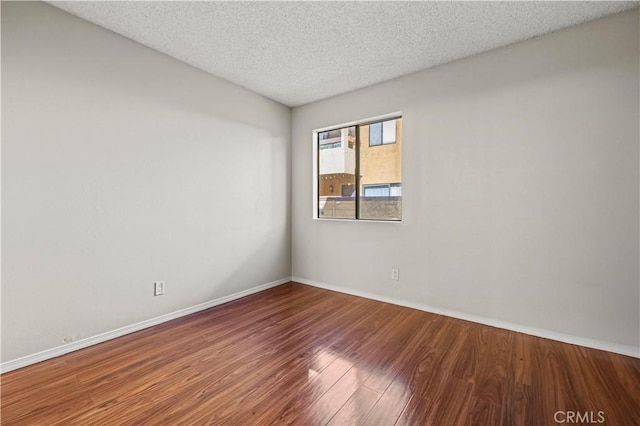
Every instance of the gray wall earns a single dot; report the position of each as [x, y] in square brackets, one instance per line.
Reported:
[520, 187]
[122, 166]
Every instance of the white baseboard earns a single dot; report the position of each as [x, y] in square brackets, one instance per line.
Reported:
[560, 337]
[103, 337]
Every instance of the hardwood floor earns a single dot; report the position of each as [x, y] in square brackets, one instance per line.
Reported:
[298, 354]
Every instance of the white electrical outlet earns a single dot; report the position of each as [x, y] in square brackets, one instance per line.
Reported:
[158, 288]
[72, 338]
[395, 274]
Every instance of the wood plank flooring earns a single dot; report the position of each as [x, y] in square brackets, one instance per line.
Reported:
[302, 355]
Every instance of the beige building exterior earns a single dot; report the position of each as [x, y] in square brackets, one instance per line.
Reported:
[380, 164]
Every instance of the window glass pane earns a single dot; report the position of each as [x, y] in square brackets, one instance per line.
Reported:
[336, 174]
[389, 131]
[380, 167]
[376, 191]
[375, 134]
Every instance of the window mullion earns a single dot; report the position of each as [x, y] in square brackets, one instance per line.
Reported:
[357, 172]
[318, 182]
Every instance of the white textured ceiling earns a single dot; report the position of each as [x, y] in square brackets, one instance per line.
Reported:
[299, 52]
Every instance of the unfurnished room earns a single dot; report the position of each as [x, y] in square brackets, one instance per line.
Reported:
[320, 213]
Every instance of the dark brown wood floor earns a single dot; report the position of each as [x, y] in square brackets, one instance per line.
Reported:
[298, 354]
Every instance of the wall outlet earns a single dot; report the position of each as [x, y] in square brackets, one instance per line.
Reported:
[73, 338]
[158, 288]
[395, 274]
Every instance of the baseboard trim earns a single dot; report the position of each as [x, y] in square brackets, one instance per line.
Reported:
[547, 334]
[103, 337]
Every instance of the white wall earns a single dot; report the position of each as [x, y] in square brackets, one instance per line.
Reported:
[520, 187]
[122, 166]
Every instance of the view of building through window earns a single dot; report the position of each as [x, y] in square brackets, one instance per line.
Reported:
[360, 171]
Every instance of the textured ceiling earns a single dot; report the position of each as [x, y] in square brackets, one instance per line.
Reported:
[299, 52]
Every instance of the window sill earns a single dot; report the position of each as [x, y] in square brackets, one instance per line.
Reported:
[357, 220]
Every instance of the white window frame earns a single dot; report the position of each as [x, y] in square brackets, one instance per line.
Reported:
[314, 176]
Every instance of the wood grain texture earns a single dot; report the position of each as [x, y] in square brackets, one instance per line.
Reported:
[296, 354]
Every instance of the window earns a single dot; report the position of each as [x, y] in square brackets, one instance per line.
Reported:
[359, 171]
[382, 133]
[330, 140]
[329, 135]
[386, 190]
